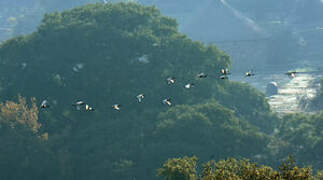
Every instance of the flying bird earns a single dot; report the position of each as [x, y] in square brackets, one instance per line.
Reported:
[291, 74]
[116, 107]
[78, 104]
[167, 101]
[201, 75]
[189, 85]
[78, 67]
[170, 80]
[88, 108]
[249, 73]
[225, 71]
[140, 97]
[44, 104]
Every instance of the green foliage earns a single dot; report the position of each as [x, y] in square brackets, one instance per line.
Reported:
[108, 40]
[319, 175]
[179, 169]
[23, 151]
[234, 169]
[289, 170]
[244, 98]
[209, 125]
[248, 104]
[302, 135]
[215, 118]
[19, 115]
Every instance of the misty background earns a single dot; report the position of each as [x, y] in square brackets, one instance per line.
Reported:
[256, 34]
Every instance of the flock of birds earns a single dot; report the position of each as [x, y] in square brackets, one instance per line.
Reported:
[82, 106]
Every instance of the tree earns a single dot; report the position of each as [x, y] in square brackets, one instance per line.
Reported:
[183, 168]
[179, 169]
[300, 135]
[108, 53]
[207, 130]
[23, 153]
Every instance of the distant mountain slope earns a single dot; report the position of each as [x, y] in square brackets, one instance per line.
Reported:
[219, 21]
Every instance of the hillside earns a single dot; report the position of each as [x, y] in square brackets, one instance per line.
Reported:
[94, 53]
[107, 54]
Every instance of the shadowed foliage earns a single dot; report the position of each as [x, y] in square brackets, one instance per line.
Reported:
[109, 53]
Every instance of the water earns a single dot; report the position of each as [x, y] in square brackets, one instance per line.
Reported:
[291, 92]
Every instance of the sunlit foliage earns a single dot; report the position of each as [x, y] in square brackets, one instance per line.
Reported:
[234, 169]
[23, 151]
[179, 169]
[19, 115]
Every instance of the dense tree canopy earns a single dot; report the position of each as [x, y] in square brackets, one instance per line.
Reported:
[302, 134]
[109, 53]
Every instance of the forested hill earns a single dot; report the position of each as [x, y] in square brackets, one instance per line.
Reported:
[106, 54]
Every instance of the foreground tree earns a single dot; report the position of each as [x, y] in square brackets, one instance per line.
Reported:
[185, 169]
[179, 169]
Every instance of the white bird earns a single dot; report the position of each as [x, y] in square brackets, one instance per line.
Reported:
[116, 107]
[249, 73]
[88, 108]
[225, 71]
[291, 74]
[201, 75]
[44, 104]
[189, 85]
[140, 97]
[78, 105]
[78, 67]
[170, 80]
[167, 101]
